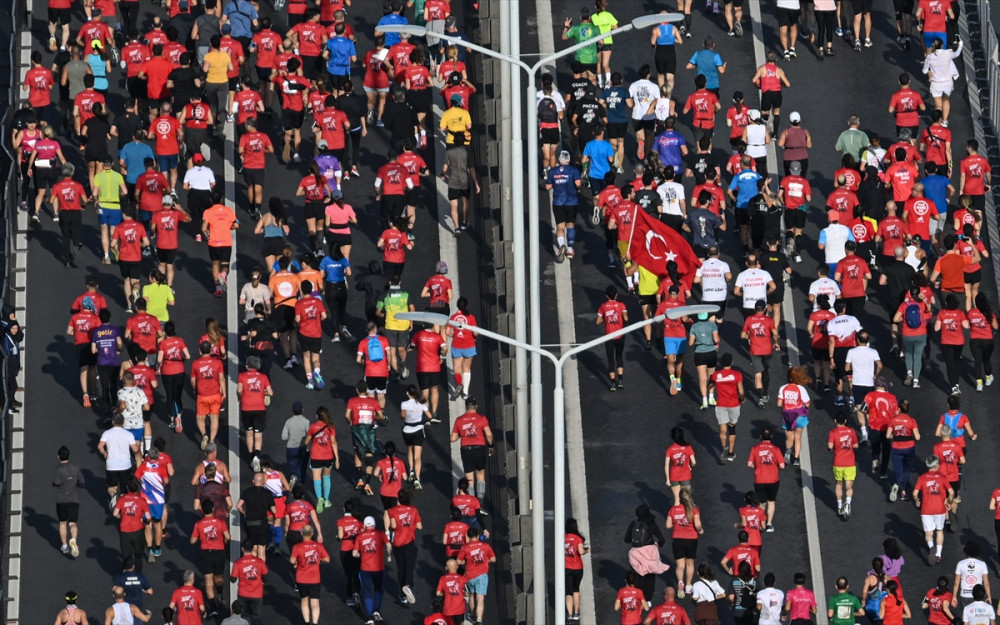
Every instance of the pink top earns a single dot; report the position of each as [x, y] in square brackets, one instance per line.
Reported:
[337, 218]
[801, 602]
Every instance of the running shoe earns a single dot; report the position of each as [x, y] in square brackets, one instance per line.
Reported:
[408, 593]
[321, 506]
[868, 43]
[955, 390]
[350, 602]
[840, 400]
[711, 399]
[916, 383]
[894, 492]
[979, 386]
[909, 379]
[795, 462]
[648, 346]
[458, 392]
[310, 386]
[74, 550]
[904, 496]
[989, 380]
[738, 29]
[620, 384]
[377, 616]
[798, 258]
[839, 32]
[561, 254]
[179, 426]
[857, 45]
[788, 455]
[731, 457]
[770, 529]
[417, 485]
[64, 550]
[641, 150]
[360, 484]
[613, 387]
[761, 403]
[792, 52]
[570, 252]
[320, 382]
[255, 463]
[704, 403]
[204, 441]
[840, 509]
[404, 373]
[847, 510]
[368, 490]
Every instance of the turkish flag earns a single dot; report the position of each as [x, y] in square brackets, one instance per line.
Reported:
[654, 243]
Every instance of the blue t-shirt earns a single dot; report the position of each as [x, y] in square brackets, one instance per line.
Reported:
[341, 50]
[936, 190]
[393, 19]
[598, 151]
[135, 154]
[745, 185]
[707, 64]
[563, 179]
[334, 269]
[668, 147]
[241, 15]
[614, 99]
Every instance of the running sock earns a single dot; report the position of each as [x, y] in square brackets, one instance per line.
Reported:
[318, 488]
[864, 431]
[458, 379]
[938, 549]
[571, 236]
[930, 544]
[798, 243]
[466, 378]
[147, 442]
[840, 504]
[316, 372]
[309, 376]
[560, 241]
[848, 500]
[279, 534]
[326, 487]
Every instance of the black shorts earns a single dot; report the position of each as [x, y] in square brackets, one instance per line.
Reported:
[60, 16]
[648, 300]
[212, 562]
[474, 458]
[639, 125]
[822, 354]
[617, 130]
[735, 3]
[337, 81]
[118, 478]
[253, 420]
[263, 74]
[708, 359]
[67, 512]
[312, 344]
[45, 177]
[776, 296]
[315, 463]
[233, 83]
[457, 194]
[379, 383]
[194, 138]
[273, 246]
[315, 209]
[84, 356]
[742, 216]
[258, 533]
[686, 548]
[419, 100]
[311, 67]
[283, 318]
[862, 6]
[564, 214]
[388, 502]
[549, 136]
[665, 58]
[955, 486]
[221, 254]
[788, 17]
[903, 6]
[392, 205]
[794, 218]
[425, 379]
[292, 120]
[414, 439]
[573, 579]
[587, 67]
[766, 492]
[130, 270]
[167, 257]
[338, 239]
[840, 361]
[254, 176]
[411, 197]
[974, 277]
[308, 591]
[770, 100]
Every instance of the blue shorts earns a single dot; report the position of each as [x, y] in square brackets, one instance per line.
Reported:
[156, 511]
[137, 433]
[478, 585]
[109, 216]
[930, 37]
[467, 352]
[145, 216]
[674, 346]
[790, 423]
[167, 162]
[833, 269]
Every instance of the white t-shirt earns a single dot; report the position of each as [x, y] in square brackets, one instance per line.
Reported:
[862, 360]
[970, 572]
[978, 613]
[791, 5]
[413, 415]
[556, 97]
[835, 236]
[662, 108]
[672, 194]
[713, 280]
[754, 284]
[643, 94]
[824, 286]
[252, 296]
[771, 601]
[703, 590]
[843, 326]
[119, 442]
[134, 397]
[200, 177]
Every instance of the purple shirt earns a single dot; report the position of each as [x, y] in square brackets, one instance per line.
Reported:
[892, 568]
[105, 337]
[668, 146]
[328, 165]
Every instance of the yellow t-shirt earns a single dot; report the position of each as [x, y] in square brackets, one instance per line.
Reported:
[218, 66]
[649, 284]
[157, 297]
[456, 120]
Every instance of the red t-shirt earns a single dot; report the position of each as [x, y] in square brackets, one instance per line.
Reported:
[299, 513]
[438, 285]
[135, 55]
[755, 520]
[979, 326]
[919, 211]
[844, 201]
[844, 440]
[935, 607]
[352, 527]
[679, 457]
[267, 42]
[321, 446]
[952, 332]
[392, 473]
[463, 338]
[613, 314]
[246, 105]
[152, 185]
[165, 128]
[309, 311]
[702, 104]
[933, 488]
[364, 410]
[310, 35]
[574, 561]
[466, 504]
[950, 453]
[254, 384]
[419, 77]
[852, 178]
[738, 121]
[683, 527]
[853, 270]
[476, 555]
[759, 328]
[70, 194]
[470, 427]
[292, 99]
[630, 598]
[85, 101]
[452, 586]
[936, 138]
[394, 245]
[406, 518]
[893, 231]
[82, 323]
[669, 614]
[144, 330]
[210, 531]
[208, 374]
[414, 164]
[132, 508]
[795, 189]
[902, 426]
[375, 369]
[157, 70]
[902, 176]
[428, 346]
[371, 543]
[996, 502]
[906, 101]
[727, 389]
[743, 552]
[40, 82]
[765, 459]
[165, 222]
[253, 147]
[454, 534]
[819, 336]
[307, 556]
[129, 235]
[393, 177]
[189, 603]
[333, 122]
[250, 571]
[672, 328]
[144, 378]
[234, 49]
[862, 229]
[173, 355]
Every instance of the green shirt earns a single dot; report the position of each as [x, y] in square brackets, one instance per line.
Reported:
[844, 605]
[605, 22]
[582, 32]
[703, 332]
[395, 301]
[109, 184]
[157, 297]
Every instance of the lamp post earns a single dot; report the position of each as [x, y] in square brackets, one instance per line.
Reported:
[558, 432]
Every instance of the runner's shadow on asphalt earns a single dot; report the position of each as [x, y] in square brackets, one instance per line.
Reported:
[108, 558]
[904, 530]
[45, 525]
[60, 365]
[986, 553]
[653, 497]
[612, 572]
[94, 484]
[823, 492]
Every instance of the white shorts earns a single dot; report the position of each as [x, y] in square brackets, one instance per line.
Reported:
[939, 89]
[932, 522]
[934, 226]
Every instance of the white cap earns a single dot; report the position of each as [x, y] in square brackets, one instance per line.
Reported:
[369, 521]
[754, 114]
[795, 117]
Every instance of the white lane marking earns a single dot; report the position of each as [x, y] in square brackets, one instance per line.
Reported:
[233, 349]
[818, 583]
[448, 246]
[575, 460]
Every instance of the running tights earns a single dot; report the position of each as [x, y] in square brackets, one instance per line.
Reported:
[825, 21]
[173, 387]
[901, 461]
[352, 569]
[913, 353]
[406, 561]
[982, 356]
[371, 591]
[881, 446]
[952, 360]
[615, 350]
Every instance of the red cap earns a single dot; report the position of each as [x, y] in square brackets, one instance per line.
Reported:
[197, 158]
[833, 216]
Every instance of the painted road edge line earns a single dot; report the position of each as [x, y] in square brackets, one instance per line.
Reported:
[575, 455]
[792, 348]
[233, 353]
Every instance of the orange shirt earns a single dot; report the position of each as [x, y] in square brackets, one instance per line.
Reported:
[285, 287]
[314, 276]
[219, 220]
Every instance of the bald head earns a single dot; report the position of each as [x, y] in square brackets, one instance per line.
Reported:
[451, 565]
[258, 479]
[899, 253]
[118, 593]
[669, 594]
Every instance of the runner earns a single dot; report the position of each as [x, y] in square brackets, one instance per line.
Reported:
[213, 535]
[218, 223]
[903, 432]
[154, 479]
[843, 607]
[324, 455]
[684, 518]
[66, 478]
[374, 550]
[753, 520]
[727, 390]
[793, 399]
[757, 329]
[765, 460]
[935, 490]
[362, 412]
[473, 430]
[679, 462]
[937, 603]
[254, 391]
[970, 573]
[404, 521]
[415, 415]
[306, 558]
[476, 556]
[132, 513]
[348, 528]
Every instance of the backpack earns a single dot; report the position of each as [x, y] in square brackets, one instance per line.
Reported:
[914, 318]
[641, 536]
[547, 113]
[375, 351]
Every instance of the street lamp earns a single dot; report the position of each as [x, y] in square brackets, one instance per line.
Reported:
[558, 435]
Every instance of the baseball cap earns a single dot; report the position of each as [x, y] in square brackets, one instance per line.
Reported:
[369, 521]
[338, 194]
[754, 114]
[833, 216]
[297, 407]
[795, 167]
[471, 401]
[455, 78]
[456, 98]
[441, 267]
[795, 117]
[738, 96]
[702, 316]
[564, 157]
[226, 29]
[96, 44]
[323, 145]
[197, 158]
[760, 305]
[168, 200]
[881, 382]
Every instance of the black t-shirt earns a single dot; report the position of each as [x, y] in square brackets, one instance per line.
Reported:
[701, 163]
[127, 123]
[649, 200]
[184, 86]
[98, 128]
[260, 330]
[257, 500]
[589, 113]
[399, 120]
[775, 264]
[898, 276]
[873, 196]
[354, 106]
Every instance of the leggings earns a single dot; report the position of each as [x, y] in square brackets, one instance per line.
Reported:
[952, 359]
[982, 356]
[352, 153]
[371, 591]
[614, 350]
[913, 353]
[881, 446]
[173, 387]
[901, 461]
[406, 561]
[336, 301]
[109, 385]
[70, 223]
[824, 24]
[352, 569]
